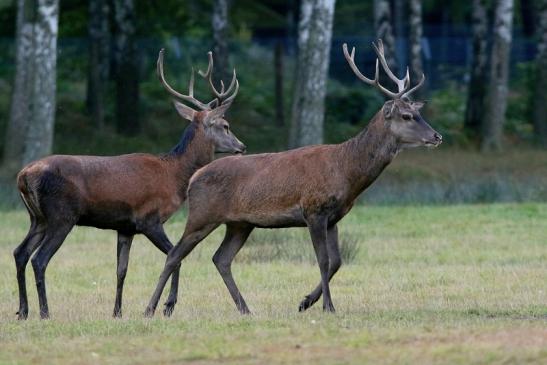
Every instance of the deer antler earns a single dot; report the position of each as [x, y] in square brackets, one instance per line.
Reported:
[223, 97]
[402, 84]
[190, 97]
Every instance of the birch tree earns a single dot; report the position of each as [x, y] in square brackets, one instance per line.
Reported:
[314, 42]
[474, 113]
[384, 31]
[496, 102]
[29, 134]
[539, 114]
[127, 78]
[99, 58]
[220, 25]
[416, 32]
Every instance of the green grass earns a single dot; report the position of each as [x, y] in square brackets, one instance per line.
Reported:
[429, 285]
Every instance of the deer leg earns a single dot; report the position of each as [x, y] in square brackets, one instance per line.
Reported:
[189, 240]
[333, 251]
[54, 238]
[158, 237]
[124, 245]
[22, 254]
[318, 232]
[233, 241]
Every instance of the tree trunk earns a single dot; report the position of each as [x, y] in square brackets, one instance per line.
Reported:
[20, 111]
[99, 59]
[278, 71]
[528, 14]
[416, 31]
[384, 31]
[400, 14]
[539, 114]
[314, 42]
[127, 78]
[30, 130]
[474, 113]
[496, 103]
[220, 39]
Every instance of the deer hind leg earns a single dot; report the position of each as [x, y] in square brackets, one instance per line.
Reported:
[53, 239]
[335, 261]
[318, 232]
[124, 246]
[22, 254]
[158, 237]
[235, 237]
[193, 235]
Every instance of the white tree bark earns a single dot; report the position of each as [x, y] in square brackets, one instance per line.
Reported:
[384, 31]
[416, 32]
[314, 42]
[540, 95]
[474, 113]
[30, 130]
[496, 103]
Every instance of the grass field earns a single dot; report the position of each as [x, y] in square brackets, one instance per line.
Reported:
[460, 284]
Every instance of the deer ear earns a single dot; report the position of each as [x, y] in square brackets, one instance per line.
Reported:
[185, 111]
[216, 113]
[417, 105]
[389, 108]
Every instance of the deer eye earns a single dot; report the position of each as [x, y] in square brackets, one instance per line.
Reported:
[407, 117]
[226, 128]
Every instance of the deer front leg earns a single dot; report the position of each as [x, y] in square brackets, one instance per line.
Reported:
[157, 236]
[335, 261]
[124, 246]
[318, 232]
[189, 240]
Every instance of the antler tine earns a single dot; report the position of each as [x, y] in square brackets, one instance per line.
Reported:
[222, 96]
[231, 98]
[406, 94]
[190, 97]
[351, 61]
[402, 84]
[191, 84]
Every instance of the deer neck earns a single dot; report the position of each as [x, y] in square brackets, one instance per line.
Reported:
[367, 154]
[193, 151]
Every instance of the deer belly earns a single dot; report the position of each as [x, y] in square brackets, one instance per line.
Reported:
[118, 216]
[291, 217]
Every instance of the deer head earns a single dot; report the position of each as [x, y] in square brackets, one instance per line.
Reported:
[208, 116]
[400, 114]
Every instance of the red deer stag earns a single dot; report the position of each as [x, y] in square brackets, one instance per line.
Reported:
[313, 186]
[131, 194]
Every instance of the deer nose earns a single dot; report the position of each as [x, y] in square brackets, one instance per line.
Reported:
[438, 137]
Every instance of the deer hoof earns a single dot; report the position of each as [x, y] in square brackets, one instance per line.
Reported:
[329, 308]
[168, 309]
[305, 304]
[149, 313]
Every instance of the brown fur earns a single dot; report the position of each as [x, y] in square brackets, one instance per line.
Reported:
[313, 186]
[132, 194]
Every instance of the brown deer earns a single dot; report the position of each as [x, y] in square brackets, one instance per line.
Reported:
[131, 194]
[313, 186]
